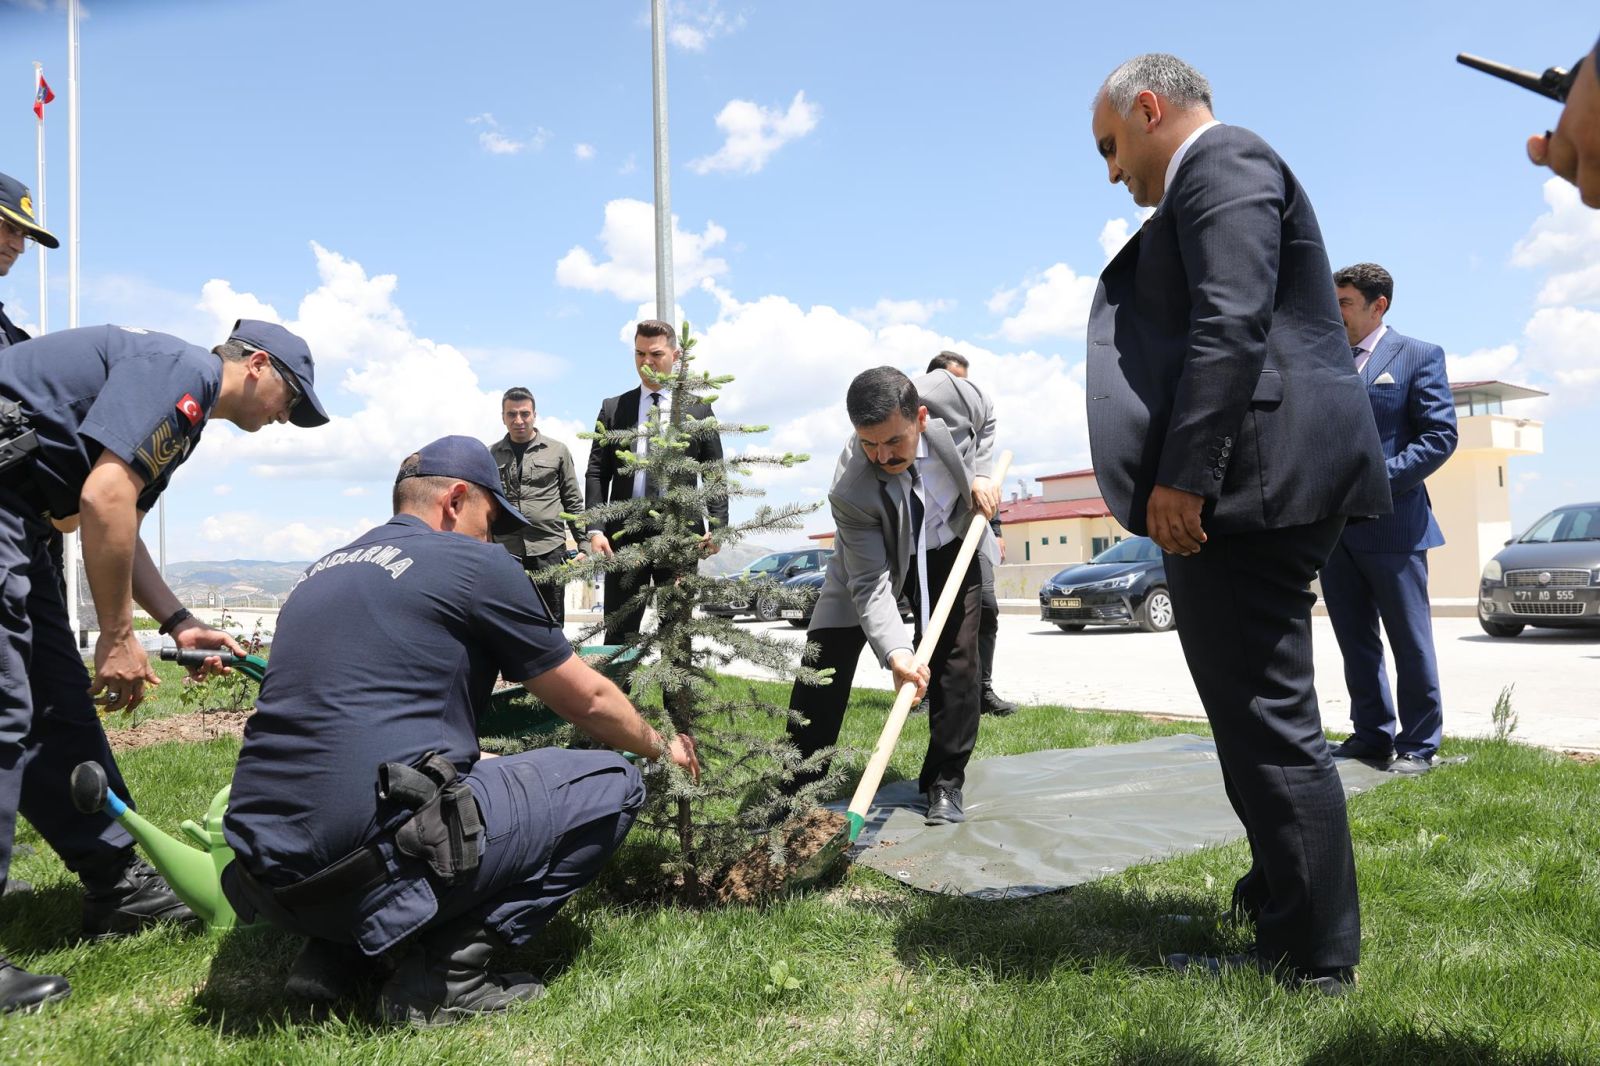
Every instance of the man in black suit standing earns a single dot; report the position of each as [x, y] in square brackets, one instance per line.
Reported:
[1226, 422]
[655, 350]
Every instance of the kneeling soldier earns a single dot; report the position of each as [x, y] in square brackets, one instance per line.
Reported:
[93, 422]
[362, 815]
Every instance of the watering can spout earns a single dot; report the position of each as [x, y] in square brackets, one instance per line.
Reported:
[193, 872]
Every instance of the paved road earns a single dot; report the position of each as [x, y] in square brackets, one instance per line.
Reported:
[1556, 674]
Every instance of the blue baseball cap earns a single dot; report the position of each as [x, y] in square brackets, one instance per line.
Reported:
[294, 356]
[466, 459]
[16, 207]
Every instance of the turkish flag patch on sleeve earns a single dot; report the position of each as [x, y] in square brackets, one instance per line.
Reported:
[189, 408]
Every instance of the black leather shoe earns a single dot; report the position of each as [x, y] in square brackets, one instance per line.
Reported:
[993, 704]
[944, 806]
[1327, 983]
[21, 990]
[1351, 748]
[1411, 765]
[126, 895]
[325, 972]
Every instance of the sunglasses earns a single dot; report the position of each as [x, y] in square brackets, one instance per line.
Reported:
[296, 393]
[12, 232]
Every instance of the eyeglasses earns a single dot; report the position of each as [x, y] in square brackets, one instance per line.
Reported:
[12, 233]
[296, 393]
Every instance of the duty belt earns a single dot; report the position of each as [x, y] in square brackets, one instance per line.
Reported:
[444, 831]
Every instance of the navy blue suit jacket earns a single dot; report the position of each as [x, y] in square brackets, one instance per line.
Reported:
[1416, 418]
[1218, 362]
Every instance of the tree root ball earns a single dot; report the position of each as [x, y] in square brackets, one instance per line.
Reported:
[754, 876]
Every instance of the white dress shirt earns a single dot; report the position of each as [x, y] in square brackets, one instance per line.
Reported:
[1368, 345]
[641, 446]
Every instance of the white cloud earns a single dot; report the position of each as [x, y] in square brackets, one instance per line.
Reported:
[1485, 364]
[584, 152]
[1002, 301]
[405, 389]
[694, 24]
[754, 133]
[1055, 304]
[496, 141]
[1115, 233]
[628, 240]
[629, 165]
[354, 490]
[887, 312]
[1566, 242]
[232, 531]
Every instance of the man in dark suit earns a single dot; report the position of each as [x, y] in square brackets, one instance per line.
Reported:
[1379, 569]
[1227, 423]
[908, 483]
[655, 350]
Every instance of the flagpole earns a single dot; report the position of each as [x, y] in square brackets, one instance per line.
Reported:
[38, 204]
[73, 560]
[665, 303]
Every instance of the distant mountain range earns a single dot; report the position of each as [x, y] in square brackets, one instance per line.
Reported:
[263, 583]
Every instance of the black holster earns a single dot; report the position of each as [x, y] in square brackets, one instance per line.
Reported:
[18, 442]
[445, 828]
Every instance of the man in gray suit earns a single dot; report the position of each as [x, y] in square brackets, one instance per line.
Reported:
[1226, 421]
[908, 483]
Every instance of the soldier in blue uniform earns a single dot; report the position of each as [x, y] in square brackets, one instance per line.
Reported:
[93, 422]
[17, 228]
[362, 814]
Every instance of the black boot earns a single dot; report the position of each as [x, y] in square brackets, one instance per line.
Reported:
[123, 895]
[325, 972]
[444, 978]
[992, 704]
[21, 990]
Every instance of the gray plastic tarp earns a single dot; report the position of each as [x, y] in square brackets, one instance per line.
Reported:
[1043, 821]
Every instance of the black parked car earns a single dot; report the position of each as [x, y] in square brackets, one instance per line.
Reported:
[802, 599]
[1548, 577]
[1124, 585]
[740, 593]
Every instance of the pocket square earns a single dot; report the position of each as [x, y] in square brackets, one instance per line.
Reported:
[1385, 378]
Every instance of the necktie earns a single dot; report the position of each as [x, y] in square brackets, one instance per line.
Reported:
[919, 542]
[653, 420]
[1356, 350]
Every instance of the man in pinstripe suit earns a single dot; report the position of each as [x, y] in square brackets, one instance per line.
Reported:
[1379, 569]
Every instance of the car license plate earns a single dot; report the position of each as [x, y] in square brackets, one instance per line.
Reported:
[1066, 601]
[791, 613]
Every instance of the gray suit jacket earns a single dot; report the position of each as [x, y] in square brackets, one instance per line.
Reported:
[871, 510]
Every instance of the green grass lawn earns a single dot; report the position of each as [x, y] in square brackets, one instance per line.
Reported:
[1481, 913]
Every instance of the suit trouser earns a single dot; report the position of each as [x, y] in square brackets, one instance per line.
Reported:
[988, 624]
[953, 691]
[621, 586]
[554, 593]
[1243, 606]
[1360, 588]
[552, 818]
[48, 723]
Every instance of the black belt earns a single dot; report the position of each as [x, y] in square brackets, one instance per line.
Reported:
[355, 873]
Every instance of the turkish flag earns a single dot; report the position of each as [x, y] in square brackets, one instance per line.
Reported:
[189, 408]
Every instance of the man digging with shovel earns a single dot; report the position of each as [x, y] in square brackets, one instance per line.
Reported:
[908, 482]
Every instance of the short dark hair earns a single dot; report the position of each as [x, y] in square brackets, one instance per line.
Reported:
[516, 394]
[233, 350]
[1369, 279]
[413, 491]
[877, 393]
[946, 359]
[654, 327]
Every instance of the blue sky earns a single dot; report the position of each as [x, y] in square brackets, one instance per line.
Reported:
[450, 200]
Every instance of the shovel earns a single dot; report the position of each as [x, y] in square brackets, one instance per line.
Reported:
[812, 869]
